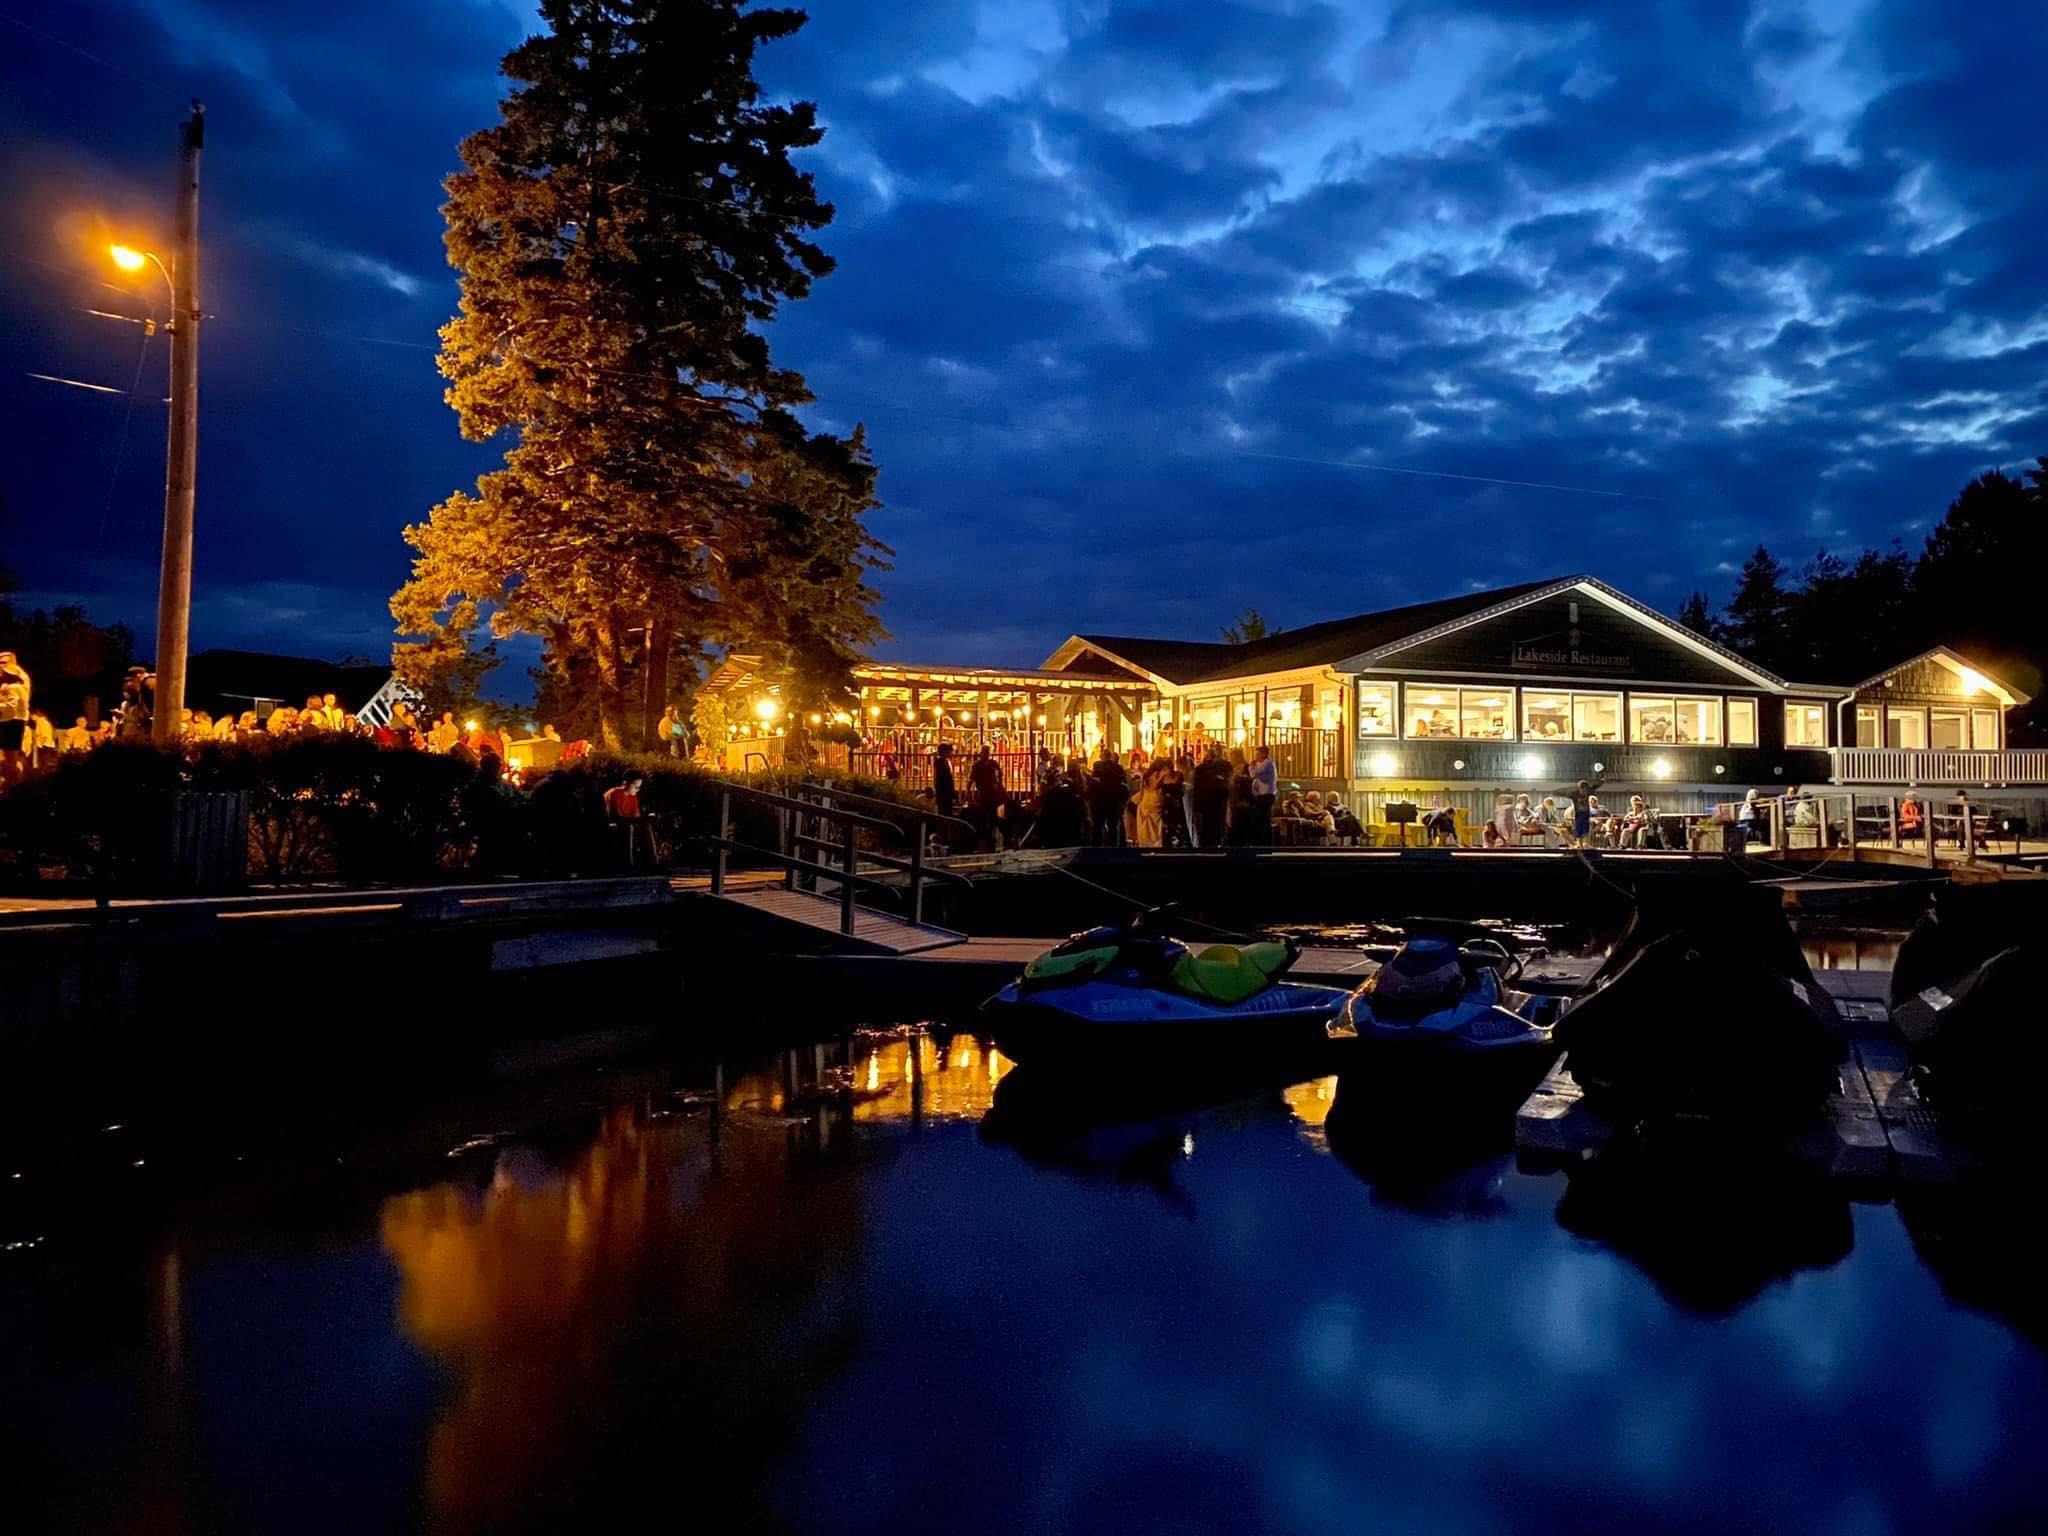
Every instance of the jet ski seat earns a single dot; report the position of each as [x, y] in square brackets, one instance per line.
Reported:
[1227, 974]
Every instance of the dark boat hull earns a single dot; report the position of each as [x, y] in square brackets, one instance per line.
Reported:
[1164, 1030]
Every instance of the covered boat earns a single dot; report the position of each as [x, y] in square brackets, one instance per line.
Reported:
[1133, 990]
[1965, 995]
[1444, 1006]
[1706, 1008]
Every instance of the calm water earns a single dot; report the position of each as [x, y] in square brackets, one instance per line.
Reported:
[814, 1292]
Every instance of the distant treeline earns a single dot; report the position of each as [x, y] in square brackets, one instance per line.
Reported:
[1976, 584]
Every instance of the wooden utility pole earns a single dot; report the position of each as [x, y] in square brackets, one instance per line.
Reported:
[174, 585]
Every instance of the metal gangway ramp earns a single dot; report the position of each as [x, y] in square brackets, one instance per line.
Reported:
[819, 831]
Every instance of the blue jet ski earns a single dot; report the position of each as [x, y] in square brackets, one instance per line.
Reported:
[1437, 1005]
[1129, 990]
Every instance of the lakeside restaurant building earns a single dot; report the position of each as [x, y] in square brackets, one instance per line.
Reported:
[1519, 688]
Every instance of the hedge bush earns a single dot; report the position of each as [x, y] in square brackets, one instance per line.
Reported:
[343, 807]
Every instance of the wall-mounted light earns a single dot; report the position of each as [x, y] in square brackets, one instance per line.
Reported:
[1661, 768]
[1531, 766]
[1458, 763]
[1720, 768]
[1383, 765]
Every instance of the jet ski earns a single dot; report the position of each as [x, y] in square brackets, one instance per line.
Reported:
[1132, 989]
[1706, 1007]
[1439, 1004]
[1965, 996]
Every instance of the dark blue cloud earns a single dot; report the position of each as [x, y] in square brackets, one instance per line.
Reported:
[1124, 289]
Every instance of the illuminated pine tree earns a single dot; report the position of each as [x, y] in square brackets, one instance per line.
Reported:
[623, 233]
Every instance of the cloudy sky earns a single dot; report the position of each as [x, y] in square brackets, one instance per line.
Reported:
[1131, 294]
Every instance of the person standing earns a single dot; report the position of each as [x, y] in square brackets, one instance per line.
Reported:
[944, 795]
[985, 786]
[1583, 802]
[1151, 798]
[1106, 791]
[1265, 777]
[16, 738]
[1211, 795]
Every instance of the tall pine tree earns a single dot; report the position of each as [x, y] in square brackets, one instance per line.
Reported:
[1756, 613]
[623, 233]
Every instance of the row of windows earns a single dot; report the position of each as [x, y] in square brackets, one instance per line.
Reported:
[1945, 730]
[1453, 711]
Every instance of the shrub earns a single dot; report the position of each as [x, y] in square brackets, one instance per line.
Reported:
[342, 806]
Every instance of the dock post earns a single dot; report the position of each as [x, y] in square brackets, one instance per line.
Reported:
[718, 848]
[1826, 833]
[917, 873]
[1892, 818]
[1933, 836]
[1969, 831]
[1852, 827]
[846, 884]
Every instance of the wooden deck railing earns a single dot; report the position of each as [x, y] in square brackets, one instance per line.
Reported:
[1914, 766]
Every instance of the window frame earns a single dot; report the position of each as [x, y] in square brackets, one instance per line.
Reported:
[1874, 714]
[1456, 706]
[1905, 714]
[1393, 710]
[1673, 702]
[1572, 698]
[1961, 716]
[1997, 718]
[1818, 711]
[1728, 709]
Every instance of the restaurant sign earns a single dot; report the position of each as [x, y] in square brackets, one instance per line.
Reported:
[1542, 655]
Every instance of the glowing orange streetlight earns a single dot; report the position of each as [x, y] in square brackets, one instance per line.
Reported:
[127, 258]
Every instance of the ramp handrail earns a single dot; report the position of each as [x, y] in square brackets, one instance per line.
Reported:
[809, 855]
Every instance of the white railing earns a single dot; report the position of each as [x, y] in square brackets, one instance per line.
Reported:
[1912, 765]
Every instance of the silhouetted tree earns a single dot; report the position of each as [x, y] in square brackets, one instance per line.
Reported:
[1757, 611]
[1695, 614]
[1250, 625]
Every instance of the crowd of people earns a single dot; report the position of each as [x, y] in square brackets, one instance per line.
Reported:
[1211, 799]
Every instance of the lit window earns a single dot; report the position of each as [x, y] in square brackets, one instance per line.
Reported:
[1948, 730]
[1806, 725]
[1869, 726]
[1546, 716]
[1596, 716]
[1650, 720]
[1485, 713]
[1697, 721]
[1905, 728]
[1375, 709]
[1432, 710]
[1438, 710]
[1330, 709]
[1984, 729]
[1742, 723]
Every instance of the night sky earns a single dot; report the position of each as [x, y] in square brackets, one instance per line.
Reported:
[1126, 291]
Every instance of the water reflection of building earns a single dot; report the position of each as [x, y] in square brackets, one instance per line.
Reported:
[906, 1077]
[1310, 1104]
[652, 1311]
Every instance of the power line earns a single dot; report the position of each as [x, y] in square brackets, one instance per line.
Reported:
[121, 443]
[156, 86]
[1445, 474]
[98, 389]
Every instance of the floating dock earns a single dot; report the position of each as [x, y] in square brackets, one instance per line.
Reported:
[1874, 1130]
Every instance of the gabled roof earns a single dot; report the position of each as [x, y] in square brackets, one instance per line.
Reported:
[1315, 645]
[1959, 664]
[1367, 639]
[1507, 599]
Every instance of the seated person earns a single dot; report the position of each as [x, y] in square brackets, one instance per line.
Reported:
[1491, 838]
